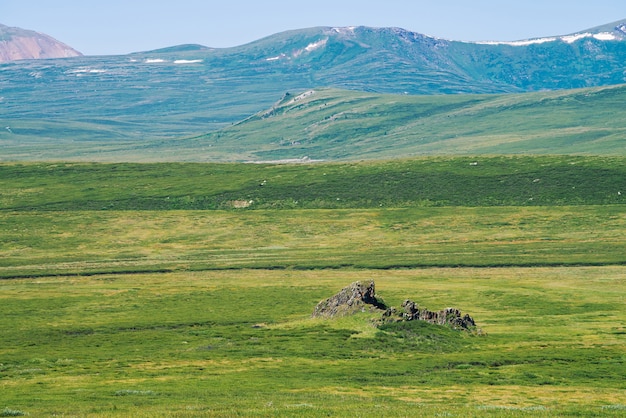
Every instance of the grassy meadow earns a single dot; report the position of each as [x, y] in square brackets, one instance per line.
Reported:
[187, 289]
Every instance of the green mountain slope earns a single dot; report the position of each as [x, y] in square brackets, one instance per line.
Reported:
[128, 107]
[330, 124]
[335, 125]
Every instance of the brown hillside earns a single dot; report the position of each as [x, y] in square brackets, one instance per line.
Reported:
[19, 44]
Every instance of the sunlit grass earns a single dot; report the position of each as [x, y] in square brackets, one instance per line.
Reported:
[243, 341]
[43, 243]
[158, 311]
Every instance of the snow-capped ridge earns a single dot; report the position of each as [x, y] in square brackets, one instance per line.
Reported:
[618, 34]
[569, 39]
[347, 30]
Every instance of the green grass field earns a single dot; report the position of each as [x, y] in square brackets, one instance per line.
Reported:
[241, 343]
[147, 290]
[425, 182]
[93, 242]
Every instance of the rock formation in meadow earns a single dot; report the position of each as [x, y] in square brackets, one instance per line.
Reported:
[358, 297]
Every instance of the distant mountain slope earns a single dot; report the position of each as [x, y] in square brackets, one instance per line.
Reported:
[394, 60]
[139, 101]
[20, 44]
[335, 125]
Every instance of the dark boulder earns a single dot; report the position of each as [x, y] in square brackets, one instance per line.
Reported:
[355, 298]
[448, 316]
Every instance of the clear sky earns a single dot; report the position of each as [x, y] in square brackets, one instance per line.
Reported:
[101, 27]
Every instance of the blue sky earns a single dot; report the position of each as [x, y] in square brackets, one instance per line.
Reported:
[123, 26]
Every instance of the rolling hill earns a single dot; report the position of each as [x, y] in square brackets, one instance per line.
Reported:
[345, 125]
[134, 107]
[331, 124]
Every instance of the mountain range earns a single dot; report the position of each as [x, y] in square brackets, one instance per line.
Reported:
[112, 107]
[21, 44]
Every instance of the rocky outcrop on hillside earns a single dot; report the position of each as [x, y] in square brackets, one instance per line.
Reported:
[352, 299]
[361, 298]
[20, 44]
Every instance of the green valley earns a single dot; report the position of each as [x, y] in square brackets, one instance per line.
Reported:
[170, 219]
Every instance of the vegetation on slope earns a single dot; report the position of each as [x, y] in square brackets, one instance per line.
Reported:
[341, 125]
[345, 125]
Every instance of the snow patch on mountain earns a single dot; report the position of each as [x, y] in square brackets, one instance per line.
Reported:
[349, 30]
[281, 56]
[162, 61]
[86, 70]
[602, 36]
[316, 45]
[309, 48]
